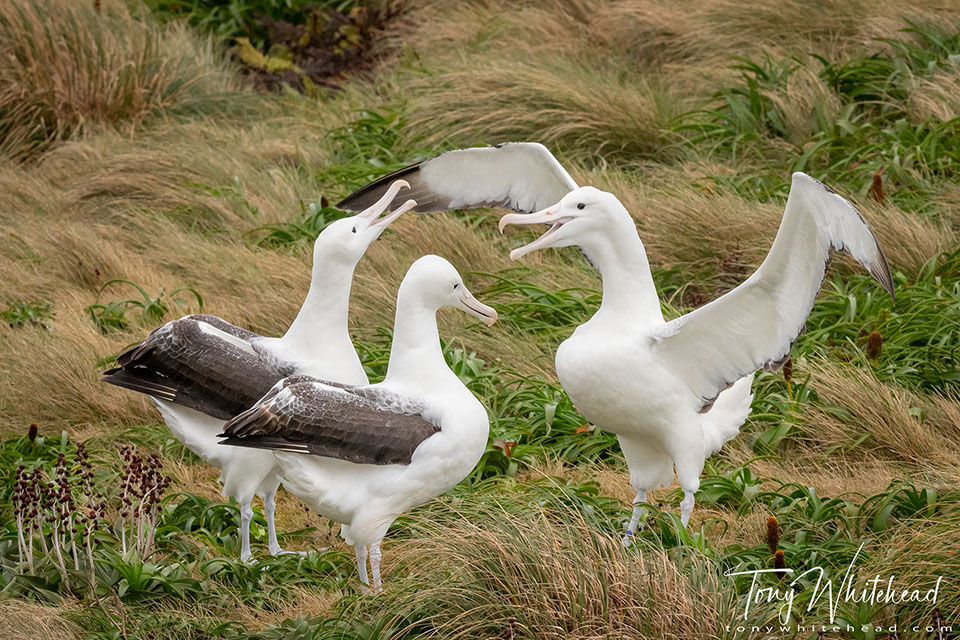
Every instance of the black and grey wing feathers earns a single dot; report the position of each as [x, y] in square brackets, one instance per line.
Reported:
[357, 424]
[200, 362]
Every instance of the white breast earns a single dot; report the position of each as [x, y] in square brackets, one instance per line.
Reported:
[616, 382]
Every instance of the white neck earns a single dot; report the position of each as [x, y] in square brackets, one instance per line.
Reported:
[416, 356]
[320, 329]
[628, 289]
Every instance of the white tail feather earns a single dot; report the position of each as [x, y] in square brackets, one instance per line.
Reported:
[722, 423]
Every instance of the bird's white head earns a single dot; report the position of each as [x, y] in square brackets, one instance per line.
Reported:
[347, 239]
[585, 217]
[436, 283]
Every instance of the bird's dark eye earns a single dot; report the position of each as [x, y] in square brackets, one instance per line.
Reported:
[456, 286]
[354, 229]
[581, 206]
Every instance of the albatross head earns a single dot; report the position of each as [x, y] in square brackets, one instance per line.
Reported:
[347, 239]
[436, 283]
[585, 217]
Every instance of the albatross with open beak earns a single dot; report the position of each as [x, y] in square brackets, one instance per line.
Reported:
[201, 370]
[362, 455]
[673, 392]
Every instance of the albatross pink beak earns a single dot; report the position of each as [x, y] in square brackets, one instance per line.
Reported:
[487, 315]
[544, 216]
[385, 221]
[381, 205]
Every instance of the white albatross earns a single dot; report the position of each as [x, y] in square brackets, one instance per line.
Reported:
[362, 455]
[201, 370]
[673, 392]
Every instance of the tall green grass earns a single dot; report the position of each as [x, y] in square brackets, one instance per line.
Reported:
[854, 122]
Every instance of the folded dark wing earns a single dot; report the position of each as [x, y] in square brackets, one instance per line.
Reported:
[200, 362]
[523, 176]
[358, 424]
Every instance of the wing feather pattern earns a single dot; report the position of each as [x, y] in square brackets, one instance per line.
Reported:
[201, 362]
[302, 414]
[754, 325]
[523, 176]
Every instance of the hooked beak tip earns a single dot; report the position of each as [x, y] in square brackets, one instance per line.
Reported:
[385, 221]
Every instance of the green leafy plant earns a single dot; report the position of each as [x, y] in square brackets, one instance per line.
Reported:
[871, 132]
[232, 18]
[314, 218]
[112, 316]
[21, 313]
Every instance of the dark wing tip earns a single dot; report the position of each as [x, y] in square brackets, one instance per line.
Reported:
[251, 422]
[145, 384]
[129, 355]
[365, 196]
[264, 443]
[881, 270]
[881, 273]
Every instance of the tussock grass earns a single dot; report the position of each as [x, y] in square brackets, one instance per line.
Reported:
[883, 420]
[603, 81]
[576, 108]
[546, 574]
[68, 68]
[920, 552]
[558, 72]
[935, 97]
[829, 26]
[124, 183]
[28, 621]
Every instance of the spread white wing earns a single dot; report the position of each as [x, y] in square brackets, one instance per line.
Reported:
[523, 176]
[753, 326]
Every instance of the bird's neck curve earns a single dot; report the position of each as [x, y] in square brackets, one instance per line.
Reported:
[320, 330]
[628, 289]
[416, 356]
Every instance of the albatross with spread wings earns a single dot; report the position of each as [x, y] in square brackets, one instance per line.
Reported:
[201, 370]
[362, 455]
[673, 392]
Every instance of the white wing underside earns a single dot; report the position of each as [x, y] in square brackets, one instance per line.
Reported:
[523, 176]
[754, 325]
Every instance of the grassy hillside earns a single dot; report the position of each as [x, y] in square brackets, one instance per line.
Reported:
[144, 175]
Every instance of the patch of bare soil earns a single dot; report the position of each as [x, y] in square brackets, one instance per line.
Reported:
[324, 51]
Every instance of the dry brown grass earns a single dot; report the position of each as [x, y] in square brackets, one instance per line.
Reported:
[935, 97]
[909, 240]
[68, 68]
[554, 578]
[601, 81]
[921, 430]
[918, 553]
[28, 621]
[580, 110]
[828, 27]
[300, 602]
[544, 71]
